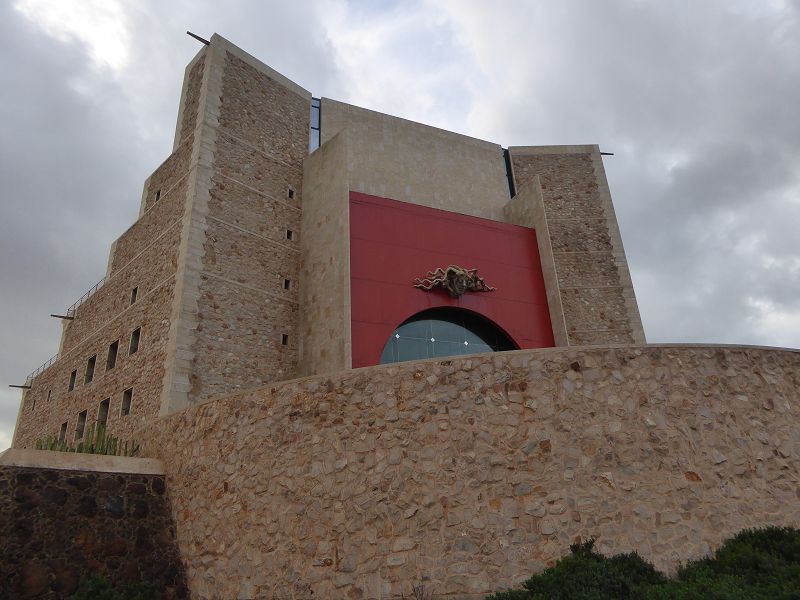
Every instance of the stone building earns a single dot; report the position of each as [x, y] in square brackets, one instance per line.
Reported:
[284, 234]
[287, 243]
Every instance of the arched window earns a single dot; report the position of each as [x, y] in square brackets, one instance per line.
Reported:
[444, 332]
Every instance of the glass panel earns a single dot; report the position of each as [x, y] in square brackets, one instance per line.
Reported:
[447, 331]
[412, 349]
[476, 349]
[448, 348]
[416, 330]
[474, 338]
[443, 332]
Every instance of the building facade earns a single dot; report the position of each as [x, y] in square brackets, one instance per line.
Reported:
[300, 327]
[255, 260]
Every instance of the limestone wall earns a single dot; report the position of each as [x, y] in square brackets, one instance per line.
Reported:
[395, 158]
[475, 471]
[259, 137]
[325, 331]
[591, 272]
[49, 403]
[152, 266]
[151, 225]
[60, 524]
[168, 174]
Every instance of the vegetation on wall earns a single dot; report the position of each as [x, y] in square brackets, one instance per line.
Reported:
[753, 565]
[96, 441]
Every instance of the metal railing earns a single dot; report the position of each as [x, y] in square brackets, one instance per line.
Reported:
[29, 379]
[70, 313]
[71, 310]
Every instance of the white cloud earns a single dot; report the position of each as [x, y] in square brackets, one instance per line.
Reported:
[102, 25]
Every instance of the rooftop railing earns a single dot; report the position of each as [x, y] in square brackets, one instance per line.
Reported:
[29, 379]
[71, 310]
[70, 313]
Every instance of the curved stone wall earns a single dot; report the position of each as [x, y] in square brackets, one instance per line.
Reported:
[475, 472]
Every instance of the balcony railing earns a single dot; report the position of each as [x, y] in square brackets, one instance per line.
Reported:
[71, 310]
[70, 313]
[29, 379]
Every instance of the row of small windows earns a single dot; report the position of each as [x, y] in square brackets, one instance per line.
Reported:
[111, 359]
[102, 416]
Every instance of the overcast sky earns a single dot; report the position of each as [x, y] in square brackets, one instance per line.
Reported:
[697, 99]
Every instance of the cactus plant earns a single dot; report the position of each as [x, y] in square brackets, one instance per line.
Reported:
[96, 441]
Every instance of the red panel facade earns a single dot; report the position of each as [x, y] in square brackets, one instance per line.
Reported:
[392, 243]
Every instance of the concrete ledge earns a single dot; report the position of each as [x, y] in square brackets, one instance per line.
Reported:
[73, 461]
[564, 149]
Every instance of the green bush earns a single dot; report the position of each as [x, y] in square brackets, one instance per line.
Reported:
[762, 564]
[97, 587]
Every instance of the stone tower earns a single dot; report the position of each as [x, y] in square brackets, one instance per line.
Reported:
[201, 295]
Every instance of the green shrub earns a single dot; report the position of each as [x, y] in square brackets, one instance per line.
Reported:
[762, 564]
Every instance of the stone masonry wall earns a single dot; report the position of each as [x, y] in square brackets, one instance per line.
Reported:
[152, 224]
[60, 525]
[244, 308]
[48, 403]
[169, 173]
[476, 471]
[592, 274]
[152, 266]
[191, 99]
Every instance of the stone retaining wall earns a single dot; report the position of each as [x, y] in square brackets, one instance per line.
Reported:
[474, 472]
[59, 524]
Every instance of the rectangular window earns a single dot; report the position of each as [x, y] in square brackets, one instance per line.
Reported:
[111, 361]
[72, 377]
[289, 234]
[291, 193]
[285, 339]
[158, 195]
[48, 394]
[81, 427]
[102, 413]
[127, 396]
[135, 335]
[33, 404]
[134, 293]
[90, 369]
[62, 435]
[287, 284]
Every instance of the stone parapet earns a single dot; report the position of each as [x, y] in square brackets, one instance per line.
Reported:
[475, 471]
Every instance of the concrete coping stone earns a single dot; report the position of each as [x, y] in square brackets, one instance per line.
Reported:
[74, 461]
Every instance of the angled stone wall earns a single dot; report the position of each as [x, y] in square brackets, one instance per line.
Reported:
[591, 280]
[475, 471]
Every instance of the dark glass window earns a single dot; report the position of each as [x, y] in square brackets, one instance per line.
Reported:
[315, 124]
[111, 360]
[102, 412]
[72, 377]
[444, 332]
[127, 396]
[90, 369]
[81, 426]
[135, 336]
